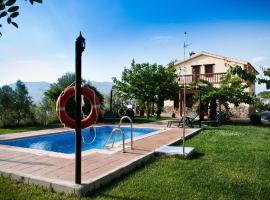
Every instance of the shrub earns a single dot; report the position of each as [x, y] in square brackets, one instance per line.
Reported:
[255, 119]
[173, 115]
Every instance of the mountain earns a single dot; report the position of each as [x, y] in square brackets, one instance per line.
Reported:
[103, 87]
[36, 89]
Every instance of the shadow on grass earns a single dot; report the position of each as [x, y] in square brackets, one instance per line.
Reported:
[196, 155]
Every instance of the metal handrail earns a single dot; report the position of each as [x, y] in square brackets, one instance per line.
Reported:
[131, 129]
[116, 130]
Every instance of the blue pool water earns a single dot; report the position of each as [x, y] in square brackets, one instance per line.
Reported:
[65, 142]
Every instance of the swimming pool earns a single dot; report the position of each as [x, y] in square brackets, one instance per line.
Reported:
[65, 142]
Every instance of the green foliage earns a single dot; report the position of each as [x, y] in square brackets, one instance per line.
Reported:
[255, 119]
[232, 90]
[7, 105]
[242, 74]
[264, 94]
[23, 102]
[15, 106]
[266, 79]
[44, 111]
[147, 83]
[9, 10]
[61, 84]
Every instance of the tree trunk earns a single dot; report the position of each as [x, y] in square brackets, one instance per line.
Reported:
[148, 109]
[159, 108]
[153, 109]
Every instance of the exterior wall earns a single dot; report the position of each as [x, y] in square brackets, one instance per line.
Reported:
[219, 65]
[243, 111]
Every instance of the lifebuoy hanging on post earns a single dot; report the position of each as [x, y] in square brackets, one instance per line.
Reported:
[91, 97]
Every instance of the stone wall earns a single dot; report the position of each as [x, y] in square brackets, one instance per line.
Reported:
[243, 111]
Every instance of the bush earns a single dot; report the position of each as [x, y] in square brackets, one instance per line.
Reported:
[255, 119]
[173, 115]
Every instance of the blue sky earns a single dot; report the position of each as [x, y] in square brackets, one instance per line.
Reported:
[42, 49]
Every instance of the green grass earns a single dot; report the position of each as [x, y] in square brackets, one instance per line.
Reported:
[231, 162]
[17, 129]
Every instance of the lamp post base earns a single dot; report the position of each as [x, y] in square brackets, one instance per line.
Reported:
[173, 150]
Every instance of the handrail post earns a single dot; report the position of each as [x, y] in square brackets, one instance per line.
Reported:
[131, 128]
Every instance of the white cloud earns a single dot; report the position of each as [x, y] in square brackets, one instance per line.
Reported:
[258, 59]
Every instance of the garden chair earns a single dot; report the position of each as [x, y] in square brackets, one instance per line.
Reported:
[189, 121]
[219, 118]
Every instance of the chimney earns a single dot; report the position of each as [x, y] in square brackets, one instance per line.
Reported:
[192, 53]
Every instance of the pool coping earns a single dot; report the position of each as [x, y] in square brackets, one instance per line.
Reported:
[117, 145]
[90, 185]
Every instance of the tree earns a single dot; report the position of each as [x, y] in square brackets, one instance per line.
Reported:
[266, 79]
[264, 94]
[44, 111]
[10, 10]
[23, 102]
[63, 82]
[232, 89]
[7, 96]
[147, 83]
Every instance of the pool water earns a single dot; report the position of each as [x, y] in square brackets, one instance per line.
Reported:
[65, 142]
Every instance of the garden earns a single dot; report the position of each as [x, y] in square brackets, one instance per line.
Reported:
[231, 162]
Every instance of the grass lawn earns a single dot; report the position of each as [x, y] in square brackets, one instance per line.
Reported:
[232, 162]
[17, 129]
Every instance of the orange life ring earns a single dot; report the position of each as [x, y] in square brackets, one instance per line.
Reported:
[62, 100]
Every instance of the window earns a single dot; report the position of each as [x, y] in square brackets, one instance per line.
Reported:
[209, 70]
[196, 70]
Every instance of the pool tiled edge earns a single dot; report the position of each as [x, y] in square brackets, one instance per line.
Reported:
[93, 177]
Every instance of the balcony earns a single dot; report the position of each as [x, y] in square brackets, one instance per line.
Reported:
[214, 78]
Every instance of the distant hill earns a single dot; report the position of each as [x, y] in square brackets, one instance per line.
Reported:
[36, 89]
[103, 87]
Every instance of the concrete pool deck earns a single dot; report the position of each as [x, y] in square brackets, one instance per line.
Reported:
[98, 167]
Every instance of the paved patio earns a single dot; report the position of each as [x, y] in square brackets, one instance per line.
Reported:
[98, 167]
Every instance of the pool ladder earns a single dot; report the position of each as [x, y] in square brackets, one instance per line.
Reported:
[117, 130]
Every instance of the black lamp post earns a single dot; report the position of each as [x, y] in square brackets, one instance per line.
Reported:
[79, 48]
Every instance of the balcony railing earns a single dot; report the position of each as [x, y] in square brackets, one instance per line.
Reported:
[211, 77]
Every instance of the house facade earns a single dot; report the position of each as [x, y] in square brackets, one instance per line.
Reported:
[210, 67]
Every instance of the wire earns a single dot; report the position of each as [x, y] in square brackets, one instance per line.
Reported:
[94, 128]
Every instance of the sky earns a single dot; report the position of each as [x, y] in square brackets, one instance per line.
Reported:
[116, 31]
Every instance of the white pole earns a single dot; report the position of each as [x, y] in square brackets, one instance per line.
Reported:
[184, 117]
[184, 103]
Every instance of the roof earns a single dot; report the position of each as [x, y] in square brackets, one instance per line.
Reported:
[215, 56]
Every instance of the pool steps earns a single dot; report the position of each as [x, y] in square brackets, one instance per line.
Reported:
[117, 130]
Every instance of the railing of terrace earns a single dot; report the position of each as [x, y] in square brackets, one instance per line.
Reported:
[214, 78]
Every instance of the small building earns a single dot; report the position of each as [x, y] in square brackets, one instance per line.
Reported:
[210, 67]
